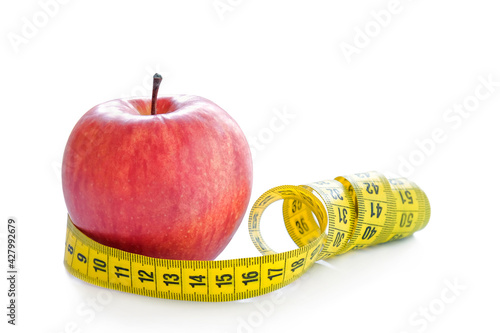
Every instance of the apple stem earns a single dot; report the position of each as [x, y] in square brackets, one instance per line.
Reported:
[156, 86]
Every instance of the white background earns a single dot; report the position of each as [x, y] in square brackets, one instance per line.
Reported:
[346, 113]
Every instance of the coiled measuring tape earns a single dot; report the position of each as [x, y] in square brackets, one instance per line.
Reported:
[324, 219]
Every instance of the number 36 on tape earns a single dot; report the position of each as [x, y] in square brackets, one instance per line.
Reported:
[324, 219]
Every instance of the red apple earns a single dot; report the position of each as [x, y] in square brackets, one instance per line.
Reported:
[172, 184]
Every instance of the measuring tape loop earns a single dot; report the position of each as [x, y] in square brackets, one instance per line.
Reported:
[324, 219]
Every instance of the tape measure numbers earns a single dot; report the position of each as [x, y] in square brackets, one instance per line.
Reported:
[324, 219]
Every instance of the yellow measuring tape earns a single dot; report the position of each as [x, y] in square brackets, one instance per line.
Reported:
[324, 219]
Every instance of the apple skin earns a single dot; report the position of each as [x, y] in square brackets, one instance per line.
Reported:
[174, 185]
